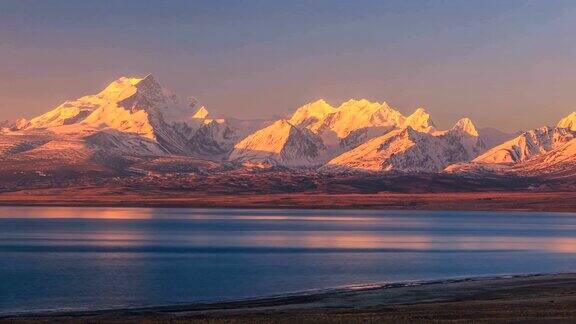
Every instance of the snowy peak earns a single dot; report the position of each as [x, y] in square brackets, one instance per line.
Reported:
[405, 150]
[365, 106]
[120, 88]
[466, 126]
[364, 135]
[538, 150]
[280, 144]
[126, 87]
[568, 122]
[410, 150]
[146, 82]
[135, 106]
[147, 94]
[140, 109]
[420, 120]
[362, 103]
[469, 140]
[527, 145]
[311, 113]
[126, 93]
[354, 115]
[269, 139]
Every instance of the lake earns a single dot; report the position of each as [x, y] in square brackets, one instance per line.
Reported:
[97, 258]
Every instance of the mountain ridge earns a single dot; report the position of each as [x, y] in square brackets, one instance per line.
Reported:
[134, 120]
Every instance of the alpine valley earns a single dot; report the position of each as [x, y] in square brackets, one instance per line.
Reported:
[136, 136]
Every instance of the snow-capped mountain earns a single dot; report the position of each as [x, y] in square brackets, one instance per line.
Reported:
[312, 113]
[419, 120]
[539, 150]
[135, 120]
[353, 115]
[560, 161]
[354, 122]
[568, 122]
[139, 117]
[410, 150]
[130, 121]
[135, 106]
[280, 144]
[363, 135]
[349, 124]
[464, 136]
[127, 105]
[558, 157]
[527, 145]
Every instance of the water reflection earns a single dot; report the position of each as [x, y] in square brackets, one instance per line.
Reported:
[76, 213]
[110, 257]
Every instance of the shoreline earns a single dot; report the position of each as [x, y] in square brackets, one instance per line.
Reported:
[556, 201]
[543, 296]
[279, 298]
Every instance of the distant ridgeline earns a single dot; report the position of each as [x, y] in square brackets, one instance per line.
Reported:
[134, 123]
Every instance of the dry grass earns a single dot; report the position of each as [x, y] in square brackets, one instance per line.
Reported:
[130, 197]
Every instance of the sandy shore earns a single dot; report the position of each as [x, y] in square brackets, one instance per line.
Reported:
[538, 298]
[130, 197]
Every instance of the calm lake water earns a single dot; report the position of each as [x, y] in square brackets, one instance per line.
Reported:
[84, 258]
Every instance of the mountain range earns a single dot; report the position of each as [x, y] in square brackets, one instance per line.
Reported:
[136, 127]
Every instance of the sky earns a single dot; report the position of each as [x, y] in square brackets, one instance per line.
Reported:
[508, 64]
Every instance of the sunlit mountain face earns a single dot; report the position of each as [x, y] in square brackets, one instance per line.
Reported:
[137, 128]
[137, 116]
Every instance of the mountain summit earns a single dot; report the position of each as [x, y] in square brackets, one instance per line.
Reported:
[568, 122]
[311, 113]
[139, 108]
[116, 106]
[420, 120]
[280, 144]
[465, 125]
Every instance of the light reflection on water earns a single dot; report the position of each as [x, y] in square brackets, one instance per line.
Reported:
[55, 258]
